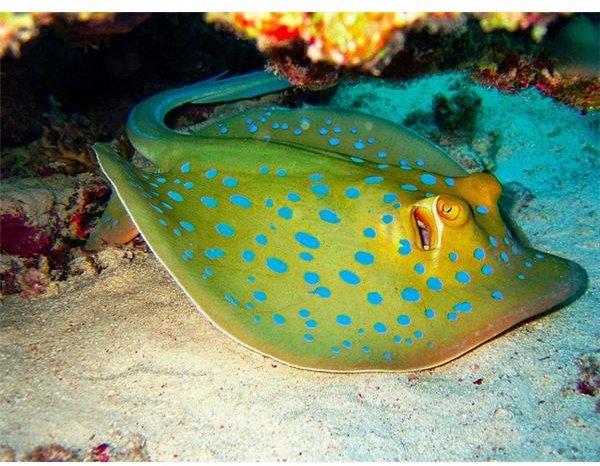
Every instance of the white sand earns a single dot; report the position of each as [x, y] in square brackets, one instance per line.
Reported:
[126, 351]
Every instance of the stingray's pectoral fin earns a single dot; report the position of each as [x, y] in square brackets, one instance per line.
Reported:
[115, 226]
[553, 282]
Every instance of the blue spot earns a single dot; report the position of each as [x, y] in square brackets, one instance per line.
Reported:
[225, 229]
[306, 256]
[230, 182]
[361, 331]
[382, 155]
[403, 320]
[453, 256]
[405, 247]
[281, 172]
[275, 126]
[521, 276]
[240, 200]
[419, 268]
[364, 257]
[250, 278]
[463, 277]
[231, 299]
[278, 319]
[210, 174]
[163, 222]
[418, 334]
[452, 316]
[528, 264]
[304, 313]
[320, 190]
[371, 140]
[308, 338]
[387, 356]
[294, 197]
[321, 291]
[311, 323]
[408, 187]
[162, 180]
[369, 233]
[167, 206]
[284, 126]
[487, 270]
[464, 306]
[397, 339]
[429, 313]
[450, 181]
[158, 209]
[276, 265]
[335, 349]
[223, 130]
[359, 145]
[187, 226]
[343, 320]
[261, 239]
[497, 295]
[298, 131]
[177, 232]
[323, 131]
[260, 296]
[483, 210]
[334, 141]
[285, 212]
[354, 130]
[188, 185]
[374, 298]
[352, 193]
[380, 327]
[329, 216]
[248, 255]
[374, 180]
[253, 128]
[187, 255]
[337, 129]
[175, 196]
[388, 198]
[185, 168]
[269, 202]
[493, 241]
[214, 253]
[315, 176]
[410, 294]
[434, 284]
[479, 254]
[307, 240]
[349, 277]
[304, 121]
[504, 256]
[311, 278]
[263, 170]
[428, 179]
[387, 218]
[347, 344]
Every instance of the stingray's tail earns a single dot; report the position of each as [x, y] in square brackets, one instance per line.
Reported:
[146, 125]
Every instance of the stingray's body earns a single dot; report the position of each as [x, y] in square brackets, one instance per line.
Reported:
[325, 238]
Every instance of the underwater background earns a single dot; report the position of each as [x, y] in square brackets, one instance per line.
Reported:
[103, 357]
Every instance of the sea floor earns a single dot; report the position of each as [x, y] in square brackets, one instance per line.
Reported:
[123, 358]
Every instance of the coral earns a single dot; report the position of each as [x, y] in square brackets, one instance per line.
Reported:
[365, 40]
[457, 112]
[43, 223]
[67, 141]
[52, 452]
[514, 72]
[18, 28]
[513, 21]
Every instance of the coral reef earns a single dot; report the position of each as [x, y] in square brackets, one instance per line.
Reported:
[19, 28]
[43, 221]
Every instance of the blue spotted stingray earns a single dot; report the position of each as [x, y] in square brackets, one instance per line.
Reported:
[326, 238]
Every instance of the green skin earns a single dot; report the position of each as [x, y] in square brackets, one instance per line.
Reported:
[413, 323]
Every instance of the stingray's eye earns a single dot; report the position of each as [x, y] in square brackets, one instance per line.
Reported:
[451, 211]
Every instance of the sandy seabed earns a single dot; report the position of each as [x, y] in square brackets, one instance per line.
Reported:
[125, 354]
